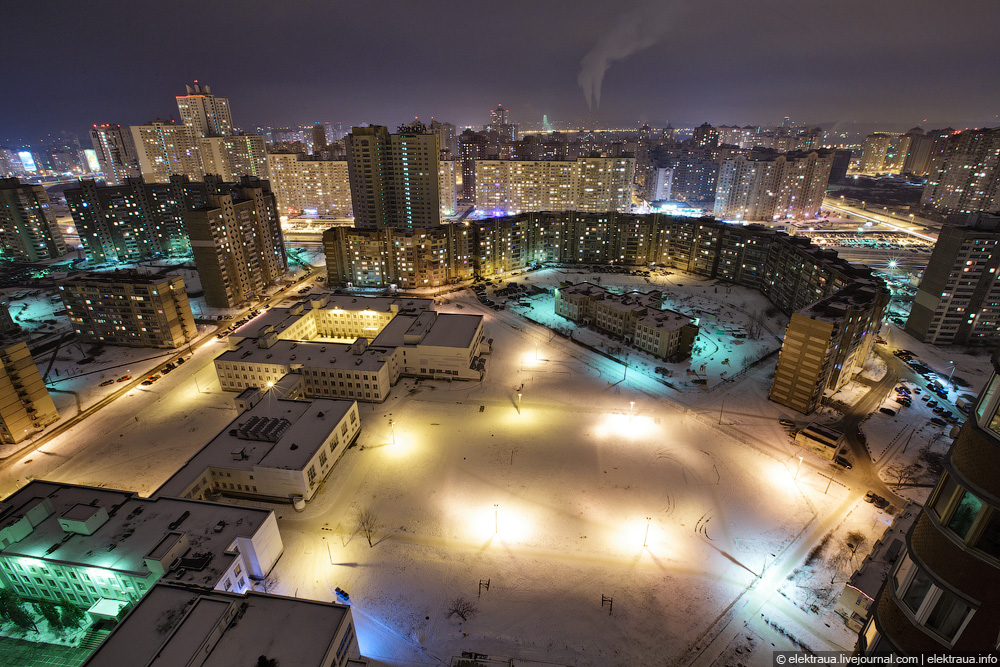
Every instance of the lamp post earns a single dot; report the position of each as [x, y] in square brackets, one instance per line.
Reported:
[795, 478]
[536, 350]
[518, 402]
[951, 373]
[631, 409]
[496, 518]
[646, 537]
[392, 427]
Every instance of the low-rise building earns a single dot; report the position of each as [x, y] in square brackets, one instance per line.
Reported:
[638, 318]
[820, 439]
[80, 545]
[352, 347]
[129, 308]
[25, 404]
[277, 449]
[186, 625]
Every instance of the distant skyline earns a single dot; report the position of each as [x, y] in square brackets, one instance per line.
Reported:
[890, 63]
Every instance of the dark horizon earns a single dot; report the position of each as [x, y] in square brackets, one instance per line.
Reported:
[889, 64]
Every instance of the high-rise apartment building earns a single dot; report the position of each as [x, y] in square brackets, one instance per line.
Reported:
[472, 147]
[826, 343]
[206, 114]
[165, 148]
[939, 596]
[448, 186]
[136, 220]
[129, 308]
[237, 244]
[705, 137]
[695, 175]
[772, 186]
[394, 177]
[964, 176]
[234, 156]
[115, 153]
[28, 229]
[447, 139]
[25, 404]
[958, 300]
[592, 185]
[319, 139]
[302, 182]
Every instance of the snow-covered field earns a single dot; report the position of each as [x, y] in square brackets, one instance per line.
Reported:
[548, 498]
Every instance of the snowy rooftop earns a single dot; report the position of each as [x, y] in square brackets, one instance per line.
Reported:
[120, 277]
[135, 526]
[286, 352]
[833, 308]
[451, 330]
[666, 319]
[275, 433]
[171, 624]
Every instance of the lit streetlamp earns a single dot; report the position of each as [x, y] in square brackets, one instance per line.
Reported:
[646, 537]
[951, 373]
[496, 518]
[392, 427]
[797, 470]
[631, 409]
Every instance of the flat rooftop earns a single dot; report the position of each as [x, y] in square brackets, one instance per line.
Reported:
[299, 428]
[168, 626]
[118, 277]
[453, 330]
[290, 352]
[135, 527]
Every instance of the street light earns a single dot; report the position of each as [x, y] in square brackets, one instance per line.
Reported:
[797, 470]
[392, 427]
[646, 537]
[496, 518]
[518, 402]
[631, 408]
[951, 373]
[536, 350]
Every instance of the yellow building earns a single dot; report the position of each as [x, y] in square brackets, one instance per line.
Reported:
[25, 404]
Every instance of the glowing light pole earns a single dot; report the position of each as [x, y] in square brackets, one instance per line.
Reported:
[796, 477]
[536, 350]
[518, 402]
[631, 409]
[392, 427]
[496, 518]
[950, 373]
[646, 536]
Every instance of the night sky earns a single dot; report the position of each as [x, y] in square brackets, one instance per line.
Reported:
[894, 62]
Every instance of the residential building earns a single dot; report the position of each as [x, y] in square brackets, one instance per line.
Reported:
[591, 185]
[28, 229]
[448, 171]
[86, 546]
[637, 318]
[129, 308]
[938, 597]
[237, 244]
[302, 183]
[826, 343]
[25, 404]
[472, 147]
[206, 114]
[187, 625]
[319, 138]
[447, 139]
[695, 175]
[880, 153]
[390, 338]
[137, 220]
[10, 164]
[165, 148]
[394, 177]
[958, 300]
[277, 449]
[964, 175]
[705, 137]
[771, 186]
[233, 156]
[115, 153]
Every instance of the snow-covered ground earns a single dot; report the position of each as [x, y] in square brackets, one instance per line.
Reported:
[548, 498]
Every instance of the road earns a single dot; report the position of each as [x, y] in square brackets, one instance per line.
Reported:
[922, 231]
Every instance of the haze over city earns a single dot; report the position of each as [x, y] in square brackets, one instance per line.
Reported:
[526, 334]
[893, 62]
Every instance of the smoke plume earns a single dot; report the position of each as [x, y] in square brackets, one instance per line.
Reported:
[637, 30]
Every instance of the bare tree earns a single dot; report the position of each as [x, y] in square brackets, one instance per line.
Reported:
[903, 473]
[462, 608]
[366, 522]
[855, 541]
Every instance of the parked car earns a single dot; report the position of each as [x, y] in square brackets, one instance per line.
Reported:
[938, 421]
[107, 382]
[180, 360]
[124, 378]
[146, 383]
[786, 422]
[887, 411]
[842, 462]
